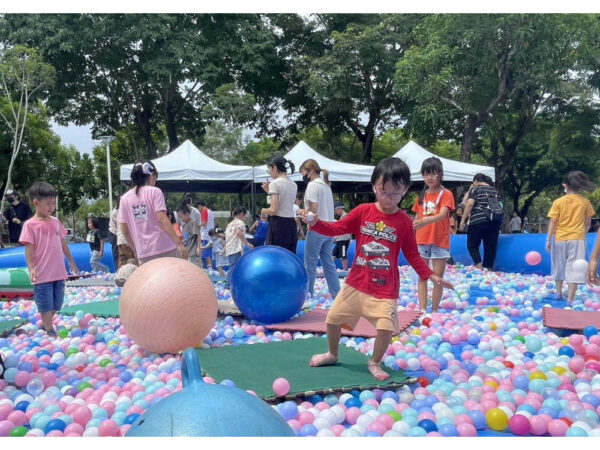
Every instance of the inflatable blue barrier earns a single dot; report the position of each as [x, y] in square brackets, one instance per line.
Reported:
[510, 256]
[14, 257]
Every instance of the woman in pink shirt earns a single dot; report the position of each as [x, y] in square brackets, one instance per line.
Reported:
[143, 217]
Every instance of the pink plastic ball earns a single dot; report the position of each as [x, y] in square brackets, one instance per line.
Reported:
[557, 427]
[466, 429]
[82, 415]
[533, 258]
[519, 425]
[19, 418]
[172, 294]
[352, 414]
[281, 386]
[108, 428]
[306, 417]
[576, 364]
[538, 425]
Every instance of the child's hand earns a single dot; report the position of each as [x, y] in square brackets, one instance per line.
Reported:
[440, 281]
[74, 269]
[418, 223]
[32, 275]
[548, 246]
[310, 218]
[592, 273]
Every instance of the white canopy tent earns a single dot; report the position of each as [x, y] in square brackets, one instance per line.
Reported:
[343, 176]
[454, 171]
[187, 169]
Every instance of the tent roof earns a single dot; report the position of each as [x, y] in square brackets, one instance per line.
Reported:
[414, 155]
[187, 169]
[342, 175]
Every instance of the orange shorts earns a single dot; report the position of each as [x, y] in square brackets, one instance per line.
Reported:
[351, 304]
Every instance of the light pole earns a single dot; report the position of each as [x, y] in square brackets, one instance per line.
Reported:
[106, 140]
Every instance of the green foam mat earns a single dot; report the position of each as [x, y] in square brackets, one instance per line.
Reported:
[6, 326]
[108, 308]
[255, 367]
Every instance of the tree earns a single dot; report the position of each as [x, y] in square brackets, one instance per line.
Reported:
[464, 67]
[154, 71]
[23, 76]
[342, 72]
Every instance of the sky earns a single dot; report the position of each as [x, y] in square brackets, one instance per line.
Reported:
[80, 137]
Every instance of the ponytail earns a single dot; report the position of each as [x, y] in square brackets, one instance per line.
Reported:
[141, 173]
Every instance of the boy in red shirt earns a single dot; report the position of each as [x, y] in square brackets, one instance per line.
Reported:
[44, 239]
[372, 286]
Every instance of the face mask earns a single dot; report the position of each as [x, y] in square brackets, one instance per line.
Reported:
[10, 199]
[306, 178]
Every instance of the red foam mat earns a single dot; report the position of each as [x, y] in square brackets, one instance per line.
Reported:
[314, 322]
[569, 319]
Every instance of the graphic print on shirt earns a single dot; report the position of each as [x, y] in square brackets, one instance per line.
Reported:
[140, 212]
[374, 253]
[429, 208]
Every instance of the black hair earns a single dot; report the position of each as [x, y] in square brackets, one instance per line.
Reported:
[281, 164]
[95, 222]
[184, 209]
[393, 170]
[40, 190]
[481, 177]
[141, 173]
[239, 210]
[200, 203]
[212, 232]
[429, 166]
[578, 181]
[171, 216]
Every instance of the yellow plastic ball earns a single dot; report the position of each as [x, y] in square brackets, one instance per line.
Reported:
[496, 419]
[537, 376]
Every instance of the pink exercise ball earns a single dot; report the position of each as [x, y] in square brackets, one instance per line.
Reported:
[168, 304]
[533, 258]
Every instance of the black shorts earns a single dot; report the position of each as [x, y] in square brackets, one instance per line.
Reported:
[340, 250]
[283, 233]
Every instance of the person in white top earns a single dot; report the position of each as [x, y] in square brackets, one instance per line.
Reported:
[318, 199]
[282, 191]
[112, 235]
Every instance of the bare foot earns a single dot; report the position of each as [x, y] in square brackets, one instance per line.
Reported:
[324, 359]
[376, 371]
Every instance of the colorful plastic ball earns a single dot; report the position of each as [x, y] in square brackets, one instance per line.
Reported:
[269, 284]
[63, 333]
[496, 419]
[55, 424]
[428, 425]
[533, 258]
[281, 386]
[519, 425]
[35, 387]
[566, 351]
[19, 431]
[590, 331]
[288, 410]
[580, 266]
[557, 427]
[172, 294]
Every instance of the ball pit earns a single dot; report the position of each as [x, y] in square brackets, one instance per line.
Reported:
[485, 350]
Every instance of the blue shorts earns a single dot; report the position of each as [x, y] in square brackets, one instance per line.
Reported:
[49, 296]
[207, 252]
[431, 251]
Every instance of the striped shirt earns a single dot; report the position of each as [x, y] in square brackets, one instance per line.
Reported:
[480, 211]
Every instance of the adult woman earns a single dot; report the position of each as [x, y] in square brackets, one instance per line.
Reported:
[319, 200]
[143, 218]
[282, 191]
[481, 227]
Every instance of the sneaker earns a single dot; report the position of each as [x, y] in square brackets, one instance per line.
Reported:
[51, 333]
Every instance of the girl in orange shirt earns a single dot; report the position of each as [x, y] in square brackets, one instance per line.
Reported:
[432, 226]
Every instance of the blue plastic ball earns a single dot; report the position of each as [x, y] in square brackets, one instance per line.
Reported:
[566, 351]
[55, 424]
[428, 425]
[590, 331]
[288, 410]
[269, 284]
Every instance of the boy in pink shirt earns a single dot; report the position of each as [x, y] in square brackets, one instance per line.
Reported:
[44, 239]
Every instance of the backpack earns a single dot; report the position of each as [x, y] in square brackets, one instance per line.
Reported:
[494, 211]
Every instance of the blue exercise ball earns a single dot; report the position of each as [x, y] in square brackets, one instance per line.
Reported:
[269, 284]
[202, 409]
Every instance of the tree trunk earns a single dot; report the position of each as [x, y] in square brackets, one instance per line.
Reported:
[142, 119]
[368, 146]
[170, 117]
[466, 150]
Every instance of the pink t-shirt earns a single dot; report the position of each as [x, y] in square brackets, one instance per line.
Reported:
[139, 213]
[46, 236]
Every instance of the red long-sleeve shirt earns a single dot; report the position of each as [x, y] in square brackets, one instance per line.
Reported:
[379, 239]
